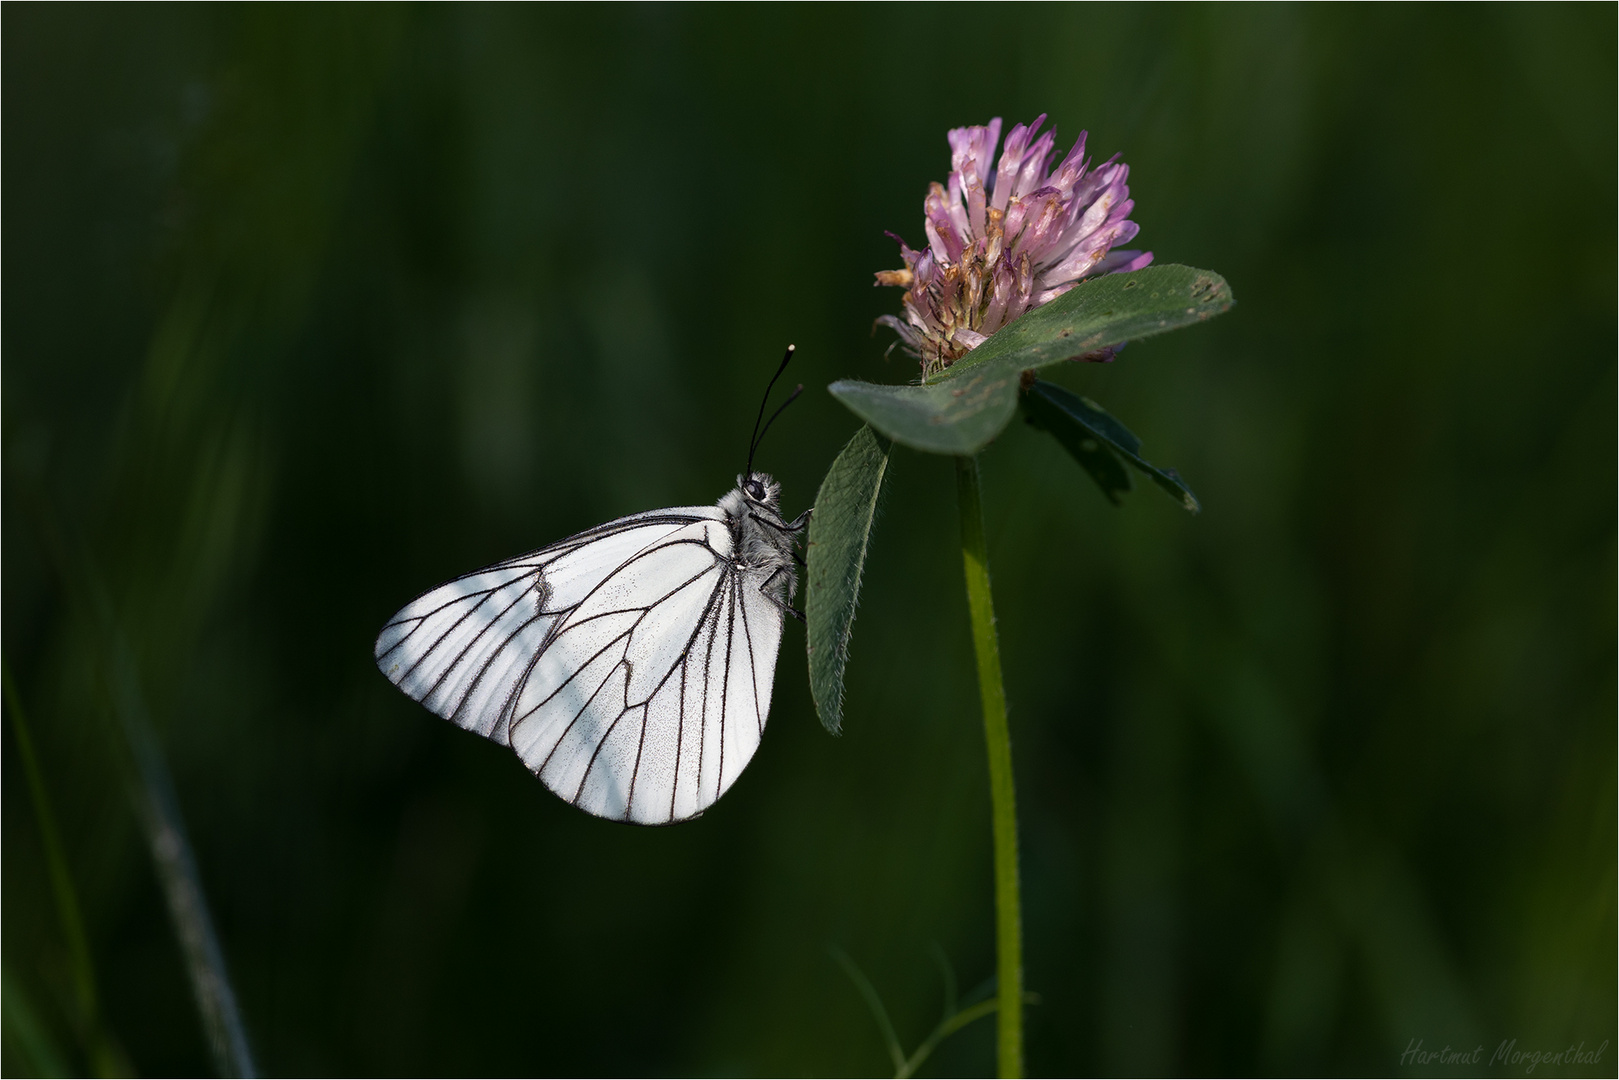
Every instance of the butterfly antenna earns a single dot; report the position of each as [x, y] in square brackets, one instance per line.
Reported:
[799, 389]
[753, 443]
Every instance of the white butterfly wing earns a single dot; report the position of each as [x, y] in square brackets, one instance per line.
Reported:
[630, 666]
[462, 649]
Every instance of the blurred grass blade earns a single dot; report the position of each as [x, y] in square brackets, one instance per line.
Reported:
[835, 557]
[947, 972]
[951, 1024]
[958, 417]
[953, 1020]
[67, 901]
[875, 1004]
[23, 1030]
[156, 807]
[1094, 437]
[105, 1060]
[947, 1027]
[962, 410]
[159, 811]
[1094, 314]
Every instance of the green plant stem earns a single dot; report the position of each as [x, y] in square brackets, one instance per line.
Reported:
[998, 741]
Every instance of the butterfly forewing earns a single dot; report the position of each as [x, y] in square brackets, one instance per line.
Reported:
[629, 666]
[464, 648]
[582, 563]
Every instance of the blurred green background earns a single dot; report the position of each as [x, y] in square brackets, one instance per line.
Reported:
[307, 309]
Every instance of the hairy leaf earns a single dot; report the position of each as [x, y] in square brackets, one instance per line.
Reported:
[835, 555]
[964, 408]
[1095, 314]
[959, 416]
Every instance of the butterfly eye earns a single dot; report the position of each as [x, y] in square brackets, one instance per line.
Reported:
[756, 491]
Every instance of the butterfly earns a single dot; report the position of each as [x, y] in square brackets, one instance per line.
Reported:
[630, 666]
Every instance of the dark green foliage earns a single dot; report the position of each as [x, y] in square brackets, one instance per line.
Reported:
[963, 409]
[1098, 442]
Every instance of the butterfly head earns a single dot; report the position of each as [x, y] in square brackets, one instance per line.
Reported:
[760, 489]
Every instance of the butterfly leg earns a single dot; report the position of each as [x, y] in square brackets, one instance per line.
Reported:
[798, 524]
[785, 607]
